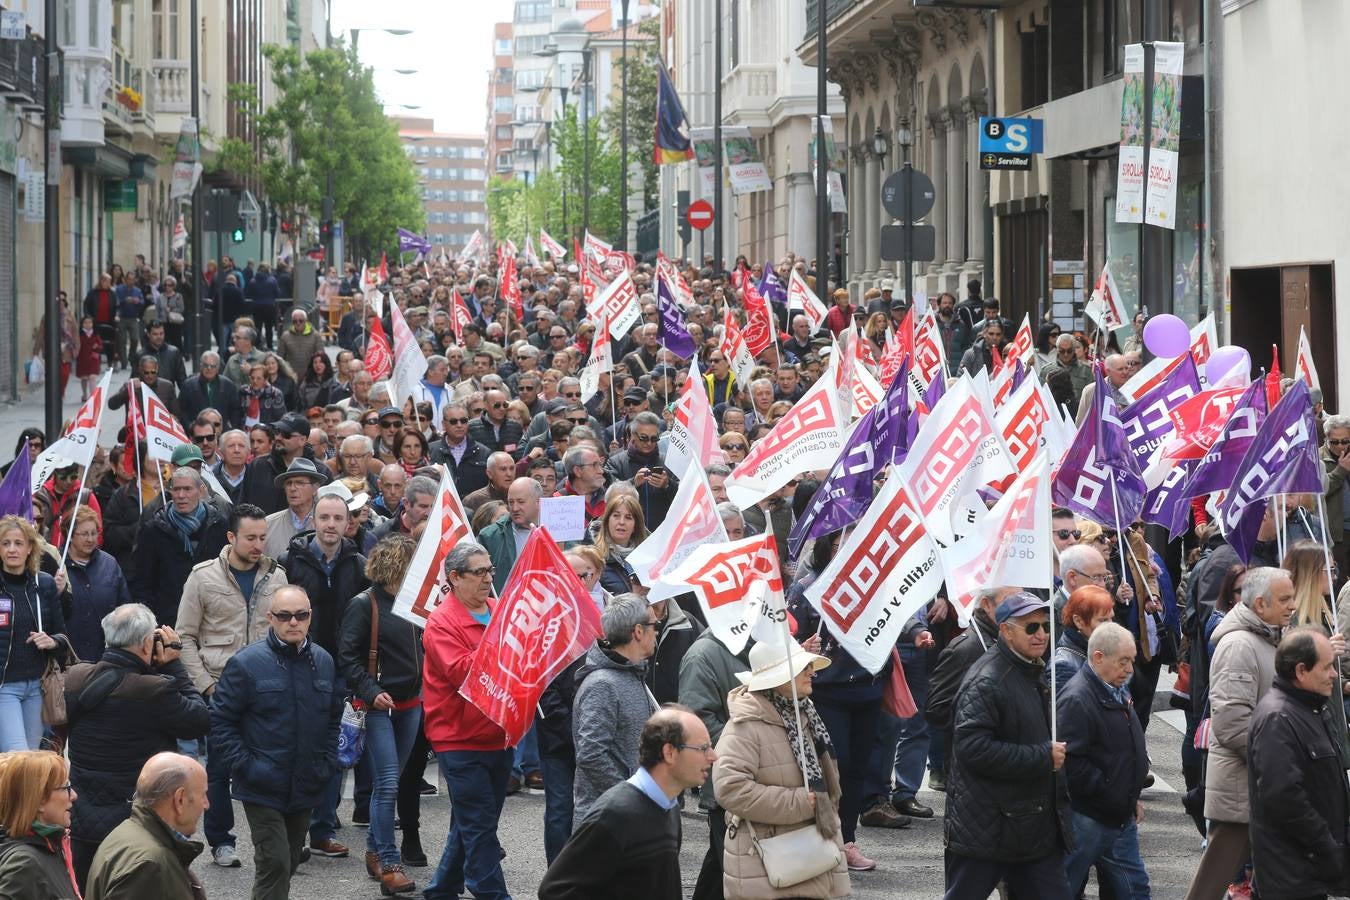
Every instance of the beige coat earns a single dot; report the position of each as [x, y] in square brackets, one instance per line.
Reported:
[757, 777]
[1241, 672]
[215, 621]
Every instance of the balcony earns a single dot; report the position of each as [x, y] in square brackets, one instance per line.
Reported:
[21, 73]
[833, 10]
[129, 99]
[854, 26]
[173, 86]
[748, 91]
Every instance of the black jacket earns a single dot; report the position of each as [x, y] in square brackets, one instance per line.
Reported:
[978, 356]
[1298, 796]
[259, 486]
[328, 594]
[192, 400]
[953, 663]
[122, 523]
[398, 647]
[511, 435]
[674, 636]
[1004, 801]
[147, 711]
[170, 362]
[655, 502]
[554, 722]
[470, 473]
[1107, 760]
[160, 565]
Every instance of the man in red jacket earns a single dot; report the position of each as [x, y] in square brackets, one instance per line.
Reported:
[471, 749]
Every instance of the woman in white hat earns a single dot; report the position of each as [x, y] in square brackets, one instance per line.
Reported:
[772, 783]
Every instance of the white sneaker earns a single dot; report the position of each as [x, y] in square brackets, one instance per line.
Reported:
[224, 856]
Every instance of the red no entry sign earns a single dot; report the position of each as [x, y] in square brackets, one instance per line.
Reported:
[700, 214]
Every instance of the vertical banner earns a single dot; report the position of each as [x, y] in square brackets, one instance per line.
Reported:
[186, 168]
[705, 152]
[747, 170]
[833, 183]
[1130, 167]
[1164, 140]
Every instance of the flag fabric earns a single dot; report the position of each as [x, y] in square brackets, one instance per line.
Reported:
[1166, 504]
[379, 355]
[809, 436]
[1198, 422]
[671, 144]
[771, 287]
[692, 439]
[1099, 457]
[1273, 377]
[409, 241]
[618, 305]
[891, 360]
[740, 588]
[866, 391]
[1104, 306]
[674, 336]
[409, 363]
[510, 286]
[1303, 366]
[530, 256]
[163, 432]
[425, 585]
[877, 440]
[544, 620]
[1148, 420]
[1021, 422]
[692, 522]
[956, 451]
[476, 248]
[1023, 343]
[459, 315]
[759, 324]
[78, 444]
[1203, 342]
[1282, 459]
[1217, 469]
[16, 495]
[554, 249]
[930, 357]
[600, 361]
[800, 296]
[734, 349]
[883, 573]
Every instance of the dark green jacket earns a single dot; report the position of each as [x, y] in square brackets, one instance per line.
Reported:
[143, 857]
[707, 675]
[500, 543]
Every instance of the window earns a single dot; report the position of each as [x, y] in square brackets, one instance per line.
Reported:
[421, 151]
[474, 152]
[473, 175]
[164, 19]
[501, 47]
[474, 218]
[533, 11]
[1035, 45]
[504, 159]
[95, 32]
[733, 34]
[503, 132]
[530, 79]
[503, 75]
[503, 104]
[530, 44]
[438, 151]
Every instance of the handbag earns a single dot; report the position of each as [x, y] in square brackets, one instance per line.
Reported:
[53, 684]
[352, 728]
[796, 856]
[896, 697]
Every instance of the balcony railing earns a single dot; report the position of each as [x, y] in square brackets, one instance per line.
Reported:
[833, 10]
[173, 86]
[21, 72]
[129, 100]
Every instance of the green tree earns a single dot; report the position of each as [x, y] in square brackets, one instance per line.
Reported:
[326, 122]
[643, 58]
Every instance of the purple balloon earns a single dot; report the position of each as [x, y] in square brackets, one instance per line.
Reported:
[1225, 361]
[1166, 336]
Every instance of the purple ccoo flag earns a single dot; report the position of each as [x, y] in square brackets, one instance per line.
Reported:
[1147, 421]
[879, 438]
[1168, 503]
[1216, 470]
[1282, 459]
[771, 287]
[409, 241]
[673, 335]
[16, 494]
[1098, 478]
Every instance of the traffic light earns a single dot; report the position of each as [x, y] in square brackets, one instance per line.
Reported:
[237, 235]
[325, 230]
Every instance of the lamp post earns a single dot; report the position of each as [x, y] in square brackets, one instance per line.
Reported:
[570, 44]
[51, 232]
[822, 161]
[622, 242]
[717, 138]
[905, 138]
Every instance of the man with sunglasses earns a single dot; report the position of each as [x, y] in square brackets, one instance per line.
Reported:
[280, 745]
[641, 463]
[493, 429]
[464, 457]
[1008, 806]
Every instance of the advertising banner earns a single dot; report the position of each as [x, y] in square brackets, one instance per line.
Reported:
[1164, 140]
[748, 172]
[1130, 168]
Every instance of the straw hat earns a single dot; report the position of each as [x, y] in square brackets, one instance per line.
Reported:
[770, 665]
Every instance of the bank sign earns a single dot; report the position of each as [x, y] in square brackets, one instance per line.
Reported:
[1008, 144]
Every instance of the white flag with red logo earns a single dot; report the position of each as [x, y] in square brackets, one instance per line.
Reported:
[693, 431]
[930, 357]
[425, 585]
[1008, 547]
[809, 436]
[163, 432]
[679, 287]
[1022, 421]
[618, 305]
[531, 257]
[1303, 366]
[597, 249]
[544, 620]
[867, 391]
[600, 361]
[1104, 307]
[1204, 340]
[957, 450]
[1023, 343]
[379, 355]
[409, 363]
[739, 587]
[78, 444]
[691, 522]
[554, 249]
[734, 348]
[800, 296]
[883, 573]
[459, 317]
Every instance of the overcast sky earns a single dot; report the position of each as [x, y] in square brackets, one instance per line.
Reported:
[450, 46]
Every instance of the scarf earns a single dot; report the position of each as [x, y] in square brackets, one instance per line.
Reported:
[187, 525]
[820, 744]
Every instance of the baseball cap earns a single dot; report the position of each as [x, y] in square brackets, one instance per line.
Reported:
[186, 453]
[391, 411]
[1018, 604]
[556, 406]
[663, 371]
[292, 424]
[635, 393]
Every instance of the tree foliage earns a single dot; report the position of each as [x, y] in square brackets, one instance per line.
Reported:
[326, 121]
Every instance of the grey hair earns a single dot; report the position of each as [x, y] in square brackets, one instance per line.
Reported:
[164, 784]
[624, 613]
[1256, 583]
[188, 472]
[355, 442]
[209, 356]
[232, 433]
[437, 360]
[1107, 637]
[761, 381]
[457, 560]
[719, 468]
[418, 486]
[128, 625]
[1075, 557]
[620, 489]
[1337, 421]
[1065, 338]
[647, 418]
[729, 510]
[250, 334]
[567, 382]
[574, 458]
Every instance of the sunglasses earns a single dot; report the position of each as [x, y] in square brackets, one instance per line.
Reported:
[300, 615]
[203, 439]
[572, 395]
[463, 421]
[398, 424]
[1065, 533]
[734, 445]
[498, 405]
[645, 438]
[369, 422]
[478, 572]
[1034, 627]
[582, 420]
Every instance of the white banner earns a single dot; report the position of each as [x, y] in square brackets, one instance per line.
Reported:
[1303, 366]
[1160, 202]
[1130, 167]
[163, 432]
[691, 523]
[78, 444]
[618, 305]
[747, 171]
[733, 347]
[555, 249]
[692, 439]
[884, 573]
[705, 155]
[930, 357]
[834, 185]
[800, 296]
[1204, 340]
[425, 585]
[740, 587]
[601, 360]
[186, 168]
[409, 363]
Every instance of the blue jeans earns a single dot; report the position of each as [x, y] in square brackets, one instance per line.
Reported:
[527, 756]
[218, 820]
[20, 715]
[1116, 853]
[389, 737]
[476, 783]
[912, 736]
[558, 777]
[323, 822]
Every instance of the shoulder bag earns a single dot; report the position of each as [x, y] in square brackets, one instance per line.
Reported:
[352, 731]
[797, 856]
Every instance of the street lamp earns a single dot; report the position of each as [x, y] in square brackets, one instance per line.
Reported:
[623, 133]
[905, 138]
[571, 45]
[881, 144]
[396, 32]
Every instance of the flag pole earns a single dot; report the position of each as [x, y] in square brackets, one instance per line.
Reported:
[1115, 511]
[65, 550]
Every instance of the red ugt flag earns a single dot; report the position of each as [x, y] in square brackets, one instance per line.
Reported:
[379, 355]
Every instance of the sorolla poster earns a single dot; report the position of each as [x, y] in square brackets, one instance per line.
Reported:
[1164, 143]
[1130, 167]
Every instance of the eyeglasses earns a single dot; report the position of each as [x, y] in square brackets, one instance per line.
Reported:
[204, 438]
[368, 422]
[498, 405]
[1340, 442]
[207, 365]
[67, 787]
[478, 572]
[457, 421]
[651, 625]
[645, 438]
[632, 403]
[580, 420]
[300, 615]
[1100, 578]
[398, 424]
[705, 749]
[1033, 627]
[572, 395]
[735, 445]
[1065, 533]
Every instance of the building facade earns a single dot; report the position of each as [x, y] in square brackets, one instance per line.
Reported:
[501, 103]
[452, 171]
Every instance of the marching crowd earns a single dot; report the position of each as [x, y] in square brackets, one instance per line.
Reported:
[188, 631]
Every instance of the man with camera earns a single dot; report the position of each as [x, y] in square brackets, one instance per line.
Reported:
[136, 701]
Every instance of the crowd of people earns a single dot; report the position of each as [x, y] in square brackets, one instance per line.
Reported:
[214, 613]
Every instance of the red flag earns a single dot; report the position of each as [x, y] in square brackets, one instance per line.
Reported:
[758, 331]
[135, 424]
[459, 316]
[544, 620]
[379, 355]
[511, 288]
[1273, 377]
[384, 268]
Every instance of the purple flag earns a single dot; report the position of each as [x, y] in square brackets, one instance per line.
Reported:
[409, 241]
[1147, 421]
[1282, 459]
[1166, 504]
[673, 335]
[771, 287]
[879, 438]
[1018, 376]
[16, 494]
[1100, 455]
[1215, 471]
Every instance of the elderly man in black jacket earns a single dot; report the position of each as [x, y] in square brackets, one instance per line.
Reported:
[641, 463]
[1007, 806]
[133, 703]
[209, 389]
[1106, 764]
[1297, 784]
